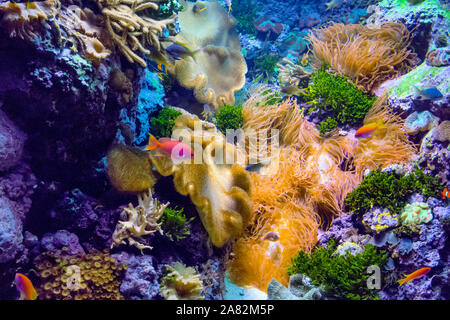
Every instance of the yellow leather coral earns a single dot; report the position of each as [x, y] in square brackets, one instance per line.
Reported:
[142, 221]
[181, 283]
[219, 189]
[21, 19]
[131, 28]
[219, 68]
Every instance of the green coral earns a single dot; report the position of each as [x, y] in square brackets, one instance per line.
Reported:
[167, 8]
[244, 11]
[161, 126]
[343, 276]
[336, 98]
[267, 64]
[175, 225]
[416, 213]
[391, 191]
[327, 125]
[229, 117]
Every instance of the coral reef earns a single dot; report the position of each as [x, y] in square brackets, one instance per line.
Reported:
[293, 203]
[291, 197]
[22, 19]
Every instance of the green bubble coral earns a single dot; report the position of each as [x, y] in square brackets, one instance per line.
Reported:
[267, 64]
[343, 276]
[161, 126]
[229, 117]
[336, 99]
[327, 125]
[175, 225]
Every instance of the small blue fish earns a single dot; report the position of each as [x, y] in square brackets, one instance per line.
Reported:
[431, 93]
[254, 167]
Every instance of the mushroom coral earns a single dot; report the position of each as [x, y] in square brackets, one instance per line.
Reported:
[307, 188]
[21, 19]
[219, 68]
[218, 186]
[131, 27]
[181, 283]
[368, 55]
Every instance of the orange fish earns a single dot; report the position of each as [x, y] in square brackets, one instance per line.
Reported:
[414, 275]
[25, 287]
[445, 194]
[367, 130]
[177, 150]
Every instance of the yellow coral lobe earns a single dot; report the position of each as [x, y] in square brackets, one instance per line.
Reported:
[219, 68]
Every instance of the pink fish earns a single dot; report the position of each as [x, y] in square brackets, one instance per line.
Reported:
[25, 287]
[175, 149]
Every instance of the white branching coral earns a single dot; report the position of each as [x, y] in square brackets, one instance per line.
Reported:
[131, 28]
[142, 220]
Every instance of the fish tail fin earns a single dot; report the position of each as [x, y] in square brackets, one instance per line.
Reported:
[402, 281]
[34, 294]
[153, 143]
[416, 89]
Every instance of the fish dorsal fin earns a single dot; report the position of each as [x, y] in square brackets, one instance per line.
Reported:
[163, 140]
